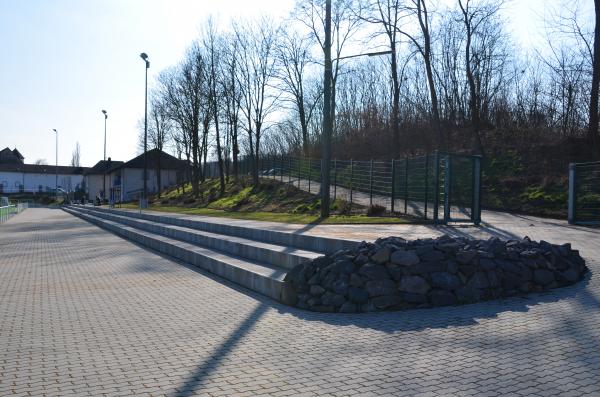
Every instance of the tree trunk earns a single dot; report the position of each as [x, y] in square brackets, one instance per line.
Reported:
[396, 101]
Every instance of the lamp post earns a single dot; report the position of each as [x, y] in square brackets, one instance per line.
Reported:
[144, 202]
[104, 176]
[329, 110]
[56, 169]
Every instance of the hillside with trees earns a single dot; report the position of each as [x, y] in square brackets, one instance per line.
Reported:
[451, 78]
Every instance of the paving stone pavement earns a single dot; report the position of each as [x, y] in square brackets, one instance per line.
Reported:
[84, 312]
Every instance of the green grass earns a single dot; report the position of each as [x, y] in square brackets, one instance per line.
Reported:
[278, 216]
[270, 201]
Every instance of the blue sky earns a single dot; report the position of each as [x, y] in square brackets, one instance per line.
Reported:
[63, 61]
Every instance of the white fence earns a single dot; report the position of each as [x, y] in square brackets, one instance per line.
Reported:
[7, 211]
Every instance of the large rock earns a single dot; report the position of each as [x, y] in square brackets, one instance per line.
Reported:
[331, 299]
[373, 271]
[386, 301]
[442, 298]
[358, 295]
[414, 285]
[543, 277]
[348, 307]
[432, 256]
[382, 255]
[405, 258]
[445, 281]
[381, 287]
[466, 257]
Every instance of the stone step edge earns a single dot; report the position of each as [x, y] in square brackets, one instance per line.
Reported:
[263, 284]
[279, 250]
[291, 239]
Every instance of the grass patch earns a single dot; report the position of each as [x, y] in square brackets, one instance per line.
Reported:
[271, 201]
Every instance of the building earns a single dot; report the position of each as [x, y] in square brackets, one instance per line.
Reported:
[18, 177]
[124, 180]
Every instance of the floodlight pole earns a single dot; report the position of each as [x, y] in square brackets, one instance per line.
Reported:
[144, 56]
[56, 167]
[104, 176]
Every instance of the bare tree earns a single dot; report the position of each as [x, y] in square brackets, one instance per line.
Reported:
[293, 55]
[76, 156]
[386, 13]
[258, 69]
[475, 17]
[41, 162]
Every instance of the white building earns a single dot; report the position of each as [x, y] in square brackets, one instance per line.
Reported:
[124, 181]
[18, 177]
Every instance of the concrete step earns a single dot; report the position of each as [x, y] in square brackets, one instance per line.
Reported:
[281, 238]
[257, 276]
[273, 254]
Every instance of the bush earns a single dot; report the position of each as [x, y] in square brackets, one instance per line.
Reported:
[375, 210]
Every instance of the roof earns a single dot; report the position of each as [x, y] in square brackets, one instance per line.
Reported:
[167, 162]
[18, 154]
[42, 169]
[103, 166]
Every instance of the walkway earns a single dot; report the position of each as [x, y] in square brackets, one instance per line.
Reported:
[85, 312]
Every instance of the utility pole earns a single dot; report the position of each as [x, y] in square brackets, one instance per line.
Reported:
[144, 202]
[327, 117]
[104, 176]
[56, 169]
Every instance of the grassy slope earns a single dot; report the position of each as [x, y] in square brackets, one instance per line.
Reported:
[272, 201]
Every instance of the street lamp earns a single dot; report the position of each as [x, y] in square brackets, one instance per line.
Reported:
[329, 110]
[104, 176]
[56, 169]
[144, 202]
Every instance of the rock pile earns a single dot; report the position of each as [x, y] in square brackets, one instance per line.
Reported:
[393, 274]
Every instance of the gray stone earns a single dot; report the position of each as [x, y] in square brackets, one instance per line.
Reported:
[442, 298]
[466, 257]
[381, 287]
[348, 307]
[340, 287]
[356, 280]
[404, 258]
[432, 256]
[382, 255]
[423, 249]
[317, 290]
[288, 294]
[344, 266]
[445, 281]
[358, 295]
[478, 280]
[386, 301]
[414, 298]
[331, 299]
[395, 271]
[414, 285]
[374, 271]
[543, 277]
[487, 263]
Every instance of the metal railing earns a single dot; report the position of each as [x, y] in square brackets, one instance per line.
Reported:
[8, 211]
[584, 193]
[443, 187]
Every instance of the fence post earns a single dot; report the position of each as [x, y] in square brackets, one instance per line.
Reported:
[447, 186]
[406, 185]
[393, 184]
[334, 179]
[290, 172]
[281, 167]
[309, 174]
[371, 183]
[436, 187]
[299, 171]
[476, 210]
[426, 185]
[572, 213]
[351, 179]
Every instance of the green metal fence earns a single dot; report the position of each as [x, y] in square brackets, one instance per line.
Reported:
[442, 187]
[584, 193]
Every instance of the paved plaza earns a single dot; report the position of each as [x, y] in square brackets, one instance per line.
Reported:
[84, 312]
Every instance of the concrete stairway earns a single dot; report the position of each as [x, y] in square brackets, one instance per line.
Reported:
[257, 259]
